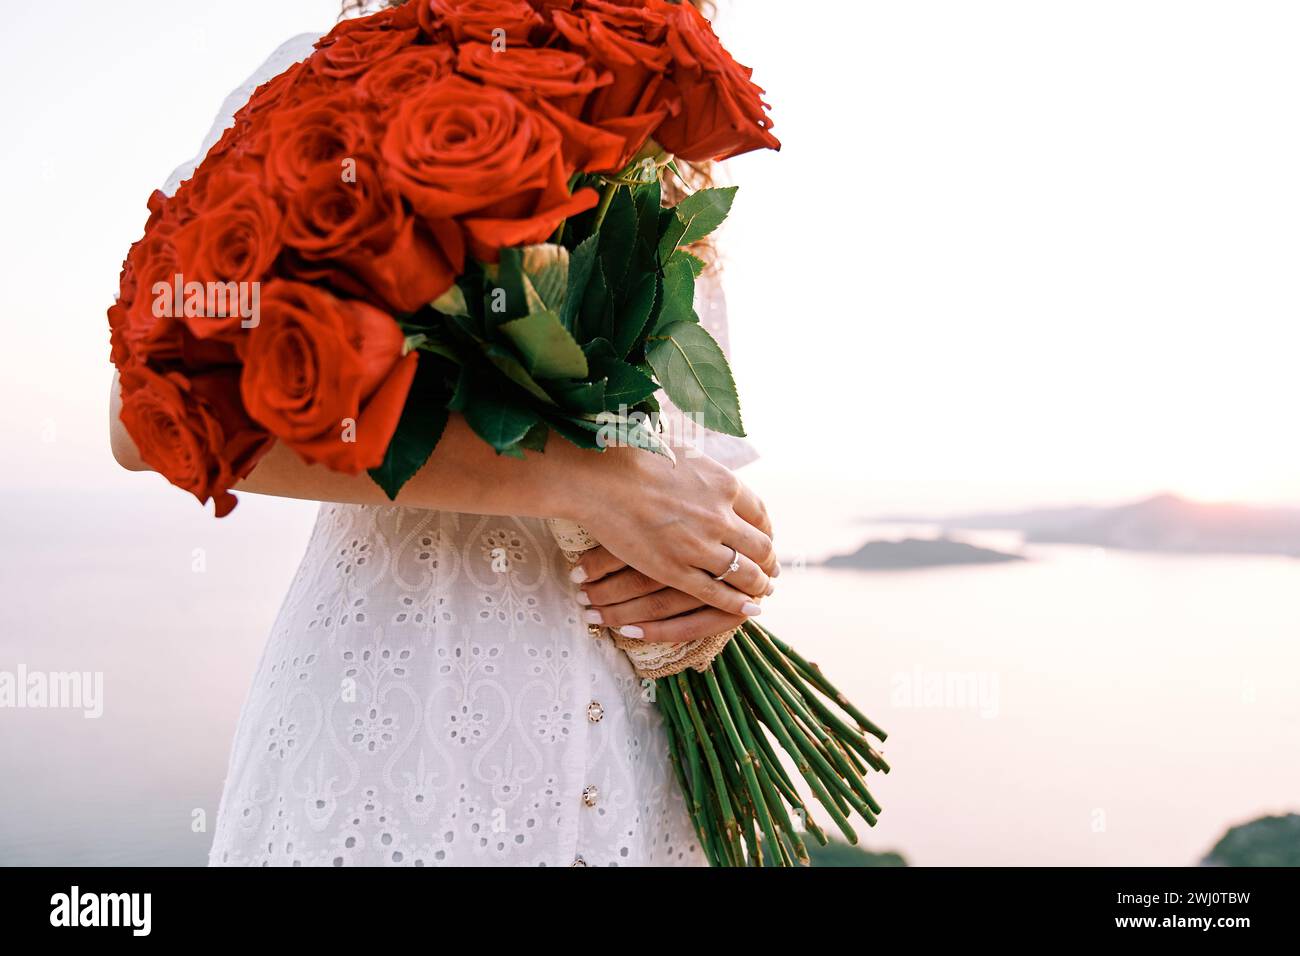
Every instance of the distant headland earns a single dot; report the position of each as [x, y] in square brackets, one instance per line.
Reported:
[1165, 522]
[917, 553]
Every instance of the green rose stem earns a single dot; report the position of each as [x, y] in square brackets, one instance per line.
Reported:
[845, 734]
[764, 793]
[773, 718]
[668, 703]
[735, 785]
[773, 771]
[815, 749]
[815, 676]
[745, 757]
[730, 829]
[607, 197]
[828, 748]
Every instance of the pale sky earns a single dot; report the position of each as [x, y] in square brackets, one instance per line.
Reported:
[1008, 245]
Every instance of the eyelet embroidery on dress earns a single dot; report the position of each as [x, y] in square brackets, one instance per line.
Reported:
[282, 737]
[410, 739]
[424, 567]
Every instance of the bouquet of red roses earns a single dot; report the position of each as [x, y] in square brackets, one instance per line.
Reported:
[456, 206]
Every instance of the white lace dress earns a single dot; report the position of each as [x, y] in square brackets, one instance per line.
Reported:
[429, 695]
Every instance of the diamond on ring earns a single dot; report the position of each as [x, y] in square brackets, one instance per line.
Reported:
[733, 567]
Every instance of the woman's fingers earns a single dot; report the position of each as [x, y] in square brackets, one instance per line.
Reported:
[594, 565]
[688, 627]
[658, 606]
[750, 507]
[718, 594]
[748, 576]
[618, 587]
[755, 545]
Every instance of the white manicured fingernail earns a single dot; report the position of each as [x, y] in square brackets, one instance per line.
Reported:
[592, 617]
[770, 589]
[578, 575]
[750, 609]
[582, 598]
[632, 631]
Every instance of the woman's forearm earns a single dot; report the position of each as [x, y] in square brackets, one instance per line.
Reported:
[463, 474]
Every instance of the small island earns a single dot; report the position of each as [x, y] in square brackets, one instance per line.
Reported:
[917, 553]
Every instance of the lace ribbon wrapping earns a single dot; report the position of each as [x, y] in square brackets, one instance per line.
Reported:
[650, 661]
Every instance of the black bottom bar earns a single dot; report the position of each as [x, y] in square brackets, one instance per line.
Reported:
[984, 907]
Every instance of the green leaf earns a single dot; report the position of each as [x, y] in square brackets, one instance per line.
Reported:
[626, 385]
[642, 436]
[679, 295]
[490, 412]
[546, 277]
[436, 341]
[620, 430]
[504, 297]
[508, 365]
[697, 264]
[548, 349]
[535, 439]
[649, 204]
[452, 302]
[704, 211]
[694, 372]
[418, 431]
[580, 262]
[586, 398]
[695, 217]
[597, 310]
[618, 235]
[631, 320]
[579, 431]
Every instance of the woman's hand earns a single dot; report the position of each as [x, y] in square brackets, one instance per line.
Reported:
[676, 526]
[639, 607]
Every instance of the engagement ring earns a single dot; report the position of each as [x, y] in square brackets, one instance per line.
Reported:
[733, 567]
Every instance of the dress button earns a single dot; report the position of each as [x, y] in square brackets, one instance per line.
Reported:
[579, 861]
[595, 711]
[589, 796]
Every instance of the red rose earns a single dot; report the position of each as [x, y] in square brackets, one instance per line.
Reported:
[360, 237]
[354, 45]
[229, 246]
[392, 80]
[216, 179]
[118, 352]
[626, 41]
[297, 85]
[142, 326]
[480, 155]
[557, 83]
[193, 432]
[326, 375]
[482, 19]
[545, 7]
[563, 77]
[722, 111]
[321, 132]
